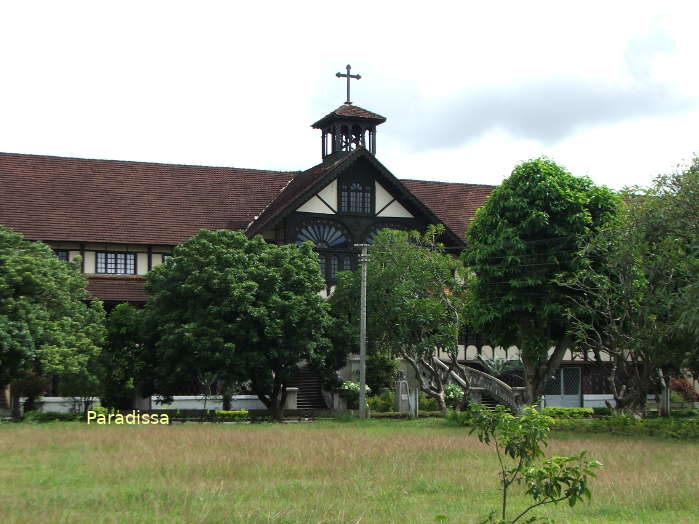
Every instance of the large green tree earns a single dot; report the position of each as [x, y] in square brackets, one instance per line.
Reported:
[636, 303]
[226, 308]
[47, 325]
[414, 306]
[525, 237]
[122, 359]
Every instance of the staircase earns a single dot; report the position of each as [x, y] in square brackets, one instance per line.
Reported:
[493, 390]
[488, 401]
[309, 384]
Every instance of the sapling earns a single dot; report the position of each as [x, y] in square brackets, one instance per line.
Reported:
[518, 442]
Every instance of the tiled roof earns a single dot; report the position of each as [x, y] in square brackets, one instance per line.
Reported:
[454, 204]
[295, 189]
[350, 111]
[121, 288]
[55, 198]
[69, 199]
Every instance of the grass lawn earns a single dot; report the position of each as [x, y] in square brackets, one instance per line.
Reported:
[378, 471]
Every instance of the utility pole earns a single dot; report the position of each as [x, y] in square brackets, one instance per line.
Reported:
[363, 261]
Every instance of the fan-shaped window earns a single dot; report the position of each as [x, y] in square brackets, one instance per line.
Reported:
[374, 230]
[323, 233]
[356, 197]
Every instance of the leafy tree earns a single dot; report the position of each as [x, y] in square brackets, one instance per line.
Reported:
[122, 357]
[519, 442]
[226, 308]
[414, 306]
[527, 234]
[46, 325]
[635, 299]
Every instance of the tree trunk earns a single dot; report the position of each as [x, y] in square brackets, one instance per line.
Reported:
[227, 398]
[442, 402]
[275, 401]
[30, 403]
[15, 405]
[537, 370]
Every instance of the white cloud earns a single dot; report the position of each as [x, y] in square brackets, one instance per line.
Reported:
[468, 88]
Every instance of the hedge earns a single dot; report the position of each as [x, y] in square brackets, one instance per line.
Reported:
[405, 414]
[576, 413]
[627, 425]
[39, 417]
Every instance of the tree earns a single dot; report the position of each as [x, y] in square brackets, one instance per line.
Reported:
[414, 306]
[122, 358]
[46, 325]
[226, 308]
[518, 442]
[527, 234]
[634, 298]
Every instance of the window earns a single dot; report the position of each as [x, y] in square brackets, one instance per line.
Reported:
[62, 254]
[323, 234]
[116, 263]
[331, 264]
[331, 240]
[356, 197]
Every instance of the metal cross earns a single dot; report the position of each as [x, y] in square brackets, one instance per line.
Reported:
[348, 76]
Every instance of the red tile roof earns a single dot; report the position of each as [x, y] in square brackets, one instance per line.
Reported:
[296, 188]
[106, 201]
[350, 111]
[454, 204]
[54, 198]
[119, 288]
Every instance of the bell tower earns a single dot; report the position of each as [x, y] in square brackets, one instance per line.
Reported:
[348, 127]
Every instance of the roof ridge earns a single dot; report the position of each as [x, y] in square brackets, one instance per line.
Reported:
[143, 162]
[443, 182]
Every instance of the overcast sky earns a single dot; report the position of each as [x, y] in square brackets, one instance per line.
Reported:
[607, 89]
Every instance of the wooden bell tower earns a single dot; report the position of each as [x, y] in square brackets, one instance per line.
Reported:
[348, 127]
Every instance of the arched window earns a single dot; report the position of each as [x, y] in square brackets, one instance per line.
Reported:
[323, 233]
[330, 240]
[356, 197]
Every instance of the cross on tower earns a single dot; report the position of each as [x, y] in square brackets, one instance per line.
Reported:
[348, 76]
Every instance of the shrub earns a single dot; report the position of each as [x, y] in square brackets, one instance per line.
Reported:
[386, 401]
[238, 415]
[685, 413]
[427, 404]
[685, 389]
[556, 412]
[405, 414]
[602, 412]
[454, 395]
[349, 391]
[628, 425]
[39, 417]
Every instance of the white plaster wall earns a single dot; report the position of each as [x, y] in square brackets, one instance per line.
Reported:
[597, 401]
[383, 197]
[142, 263]
[89, 262]
[329, 194]
[314, 205]
[156, 259]
[395, 209]
[58, 404]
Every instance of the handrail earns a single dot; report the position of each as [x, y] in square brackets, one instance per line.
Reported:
[494, 386]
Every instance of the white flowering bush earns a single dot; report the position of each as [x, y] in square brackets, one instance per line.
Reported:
[349, 391]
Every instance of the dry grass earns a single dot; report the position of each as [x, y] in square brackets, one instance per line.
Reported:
[383, 471]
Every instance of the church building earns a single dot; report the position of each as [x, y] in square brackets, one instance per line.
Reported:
[123, 218]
